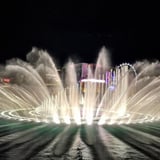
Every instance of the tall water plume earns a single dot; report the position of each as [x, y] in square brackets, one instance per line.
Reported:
[39, 91]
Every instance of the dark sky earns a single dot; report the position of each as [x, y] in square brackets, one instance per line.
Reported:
[130, 31]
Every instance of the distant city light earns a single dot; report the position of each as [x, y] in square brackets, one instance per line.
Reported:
[93, 80]
[111, 87]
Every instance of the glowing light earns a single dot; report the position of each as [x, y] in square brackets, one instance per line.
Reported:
[89, 120]
[93, 80]
[56, 120]
[112, 88]
[67, 120]
[6, 80]
[101, 122]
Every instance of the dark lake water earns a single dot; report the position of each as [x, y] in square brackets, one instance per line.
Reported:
[40, 141]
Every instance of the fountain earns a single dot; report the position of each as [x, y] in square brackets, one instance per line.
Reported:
[37, 92]
[83, 111]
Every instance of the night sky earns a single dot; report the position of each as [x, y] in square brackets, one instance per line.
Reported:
[129, 31]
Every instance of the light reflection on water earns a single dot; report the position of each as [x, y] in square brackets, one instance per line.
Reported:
[36, 141]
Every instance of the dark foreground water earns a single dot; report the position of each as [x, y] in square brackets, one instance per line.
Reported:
[37, 141]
